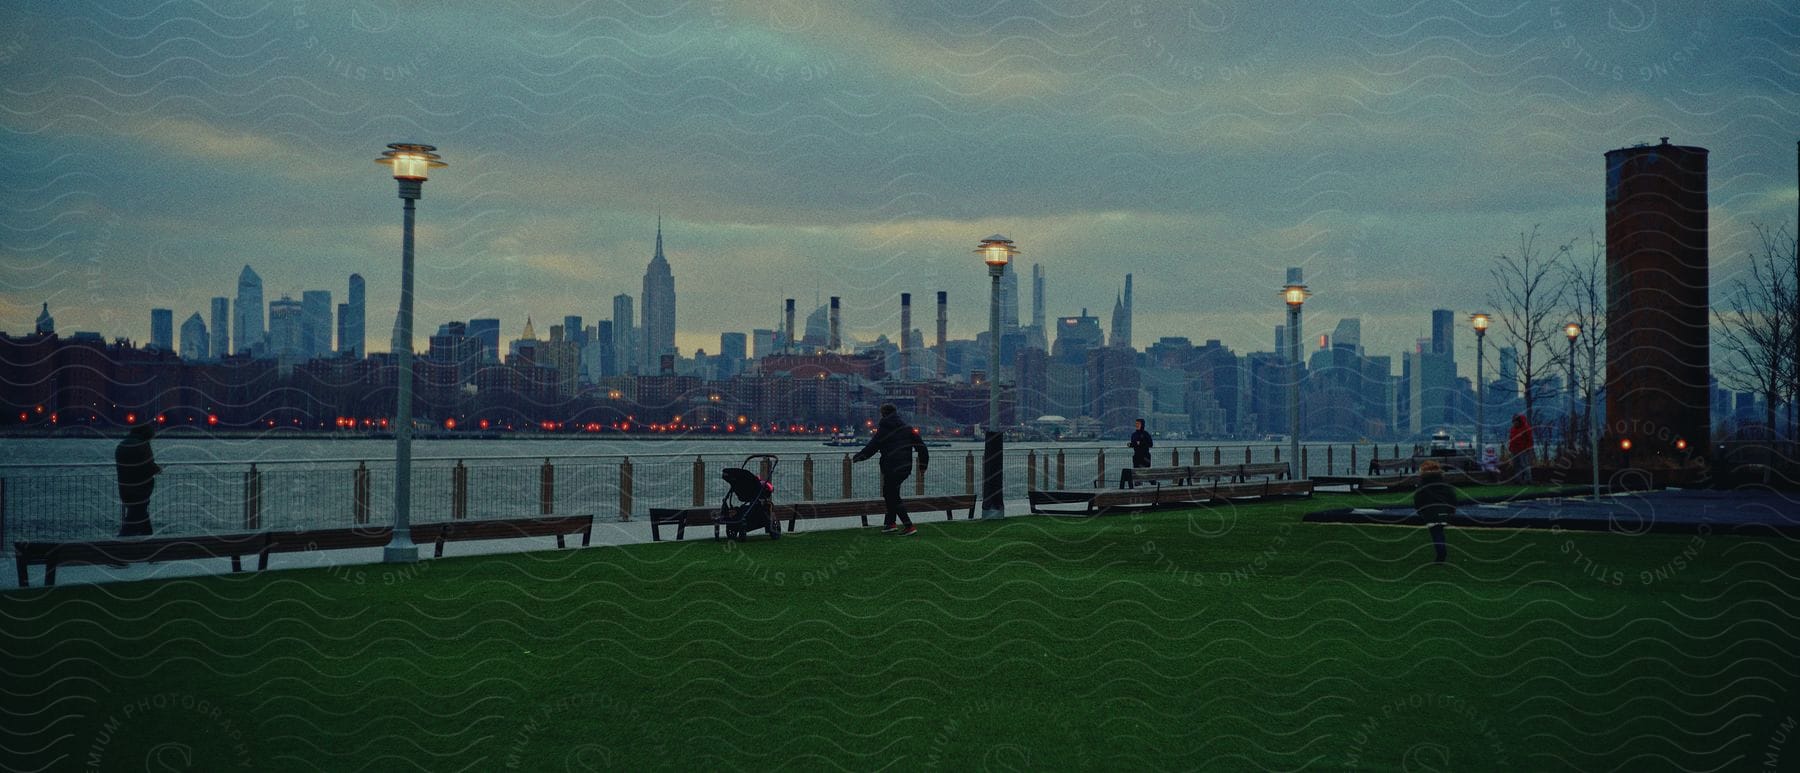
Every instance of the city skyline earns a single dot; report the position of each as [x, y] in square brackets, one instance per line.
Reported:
[861, 152]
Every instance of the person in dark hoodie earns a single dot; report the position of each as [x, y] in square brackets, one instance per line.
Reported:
[1435, 501]
[896, 442]
[137, 470]
[1140, 453]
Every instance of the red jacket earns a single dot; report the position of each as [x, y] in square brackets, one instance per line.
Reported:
[1519, 439]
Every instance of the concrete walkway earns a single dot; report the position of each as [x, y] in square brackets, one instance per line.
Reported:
[607, 534]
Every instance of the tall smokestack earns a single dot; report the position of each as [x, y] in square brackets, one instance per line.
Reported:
[943, 351]
[905, 335]
[834, 342]
[787, 345]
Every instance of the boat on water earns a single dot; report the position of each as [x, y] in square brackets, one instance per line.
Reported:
[844, 440]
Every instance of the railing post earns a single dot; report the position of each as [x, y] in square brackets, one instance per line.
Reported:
[5, 545]
[1059, 469]
[1277, 455]
[1174, 457]
[969, 473]
[1031, 470]
[1328, 460]
[1196, 456]
[699, 481]
[1100, 468]
[252, 499]
[806, 479]
[1351, 470]
[846, 486]
[1046, 476]
[1216, 455]
[767, 470]
[625, 489]
[547, 488]
[1303, 469]
[359, 495]
[459, 491]
[919, 484]
[1247, 455]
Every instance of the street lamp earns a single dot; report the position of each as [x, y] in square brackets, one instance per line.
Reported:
[1295, 294]
[996, 251]
[1573, 331]
[412, 164]
[1480, 321]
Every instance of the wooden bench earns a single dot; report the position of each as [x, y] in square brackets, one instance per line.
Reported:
[1221, 482]
[1379, 467]
[118, 552]
[435, 534]
[683, 517]
[1130, 477]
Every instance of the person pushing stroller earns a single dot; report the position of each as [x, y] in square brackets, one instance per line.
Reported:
[895, 441]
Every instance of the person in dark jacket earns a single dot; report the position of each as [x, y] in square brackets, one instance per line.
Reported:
[896, 442]
[1435, 501]
[1520, 443]
[137, 470]
[1140, 453]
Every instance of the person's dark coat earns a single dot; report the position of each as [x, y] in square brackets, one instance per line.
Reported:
[1140, 448]
[1435, 500]
[137, 468]
[896, 442]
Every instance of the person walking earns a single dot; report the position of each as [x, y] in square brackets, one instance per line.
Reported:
[896, 442]
[1140, 452]
[1435, 501]
[1519, 444]
[137, 470]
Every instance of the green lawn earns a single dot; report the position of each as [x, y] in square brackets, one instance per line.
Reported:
[1229, 638]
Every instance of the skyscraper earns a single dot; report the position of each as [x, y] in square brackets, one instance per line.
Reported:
[286, 319]
[162, 330]
[247, 328]
[1443, 331]
[218, 339]
[1039, 336]
[1121, 319]
[625, 350]
[315, 328]
[194, 346]
[1009, 298]
[659, 308]
[487, 331]
[352, 338]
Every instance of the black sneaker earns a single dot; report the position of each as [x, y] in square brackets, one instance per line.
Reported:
[889, 529]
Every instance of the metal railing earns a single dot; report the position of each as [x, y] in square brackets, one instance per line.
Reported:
[81, 502]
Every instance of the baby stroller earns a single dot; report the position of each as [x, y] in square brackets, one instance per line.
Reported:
[748, 504]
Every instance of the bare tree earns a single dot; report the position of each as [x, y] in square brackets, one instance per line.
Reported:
[1584, 302]
[1757, 326]
[1526, 299]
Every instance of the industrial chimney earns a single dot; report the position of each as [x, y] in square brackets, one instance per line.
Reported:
[905, 336]
[834, 342]
[787, 344]
[943, 351]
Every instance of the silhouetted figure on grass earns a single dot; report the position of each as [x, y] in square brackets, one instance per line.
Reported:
[896, 442]
[1435, 501]
[1140, 445]
[137, 479]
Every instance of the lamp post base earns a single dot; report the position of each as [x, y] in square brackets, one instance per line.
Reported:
[993, 498]
[397, 552]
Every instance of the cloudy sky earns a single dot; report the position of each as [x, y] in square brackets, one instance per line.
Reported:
[860, 148]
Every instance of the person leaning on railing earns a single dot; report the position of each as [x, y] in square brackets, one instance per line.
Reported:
[137, 479]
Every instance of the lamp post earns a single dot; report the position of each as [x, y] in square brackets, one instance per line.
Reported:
[1573, 331]
[412, 164]
[996, 251]
[1295, 294]
[1480, 321]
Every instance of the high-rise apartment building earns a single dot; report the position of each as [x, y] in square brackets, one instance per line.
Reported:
[487, 331]
[217, 335]
[352, 330]
[247, 326]
[625, 336]
[194, 346]
[286, 319]
[162, 330]
[315, 328]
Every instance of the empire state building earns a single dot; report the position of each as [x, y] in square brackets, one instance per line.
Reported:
[658, 309]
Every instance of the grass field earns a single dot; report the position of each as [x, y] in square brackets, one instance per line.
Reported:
[1228, 638]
